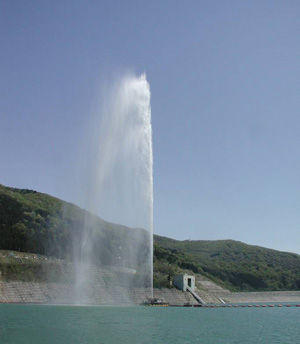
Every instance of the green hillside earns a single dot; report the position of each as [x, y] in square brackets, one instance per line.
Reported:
[38, 223]
[232, 264]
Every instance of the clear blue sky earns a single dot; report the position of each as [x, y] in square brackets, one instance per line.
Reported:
[225, 82]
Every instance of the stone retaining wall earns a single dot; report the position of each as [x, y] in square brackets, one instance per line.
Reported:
[58, 293]
[105, 286]
[261, 297]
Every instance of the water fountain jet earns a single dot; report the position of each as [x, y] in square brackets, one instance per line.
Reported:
[120, 187]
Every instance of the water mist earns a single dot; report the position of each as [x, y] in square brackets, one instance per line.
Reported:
[119, 188]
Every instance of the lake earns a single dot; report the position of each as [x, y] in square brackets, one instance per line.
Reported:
[36, 324]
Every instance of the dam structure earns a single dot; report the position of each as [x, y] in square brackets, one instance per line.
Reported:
[109, 287]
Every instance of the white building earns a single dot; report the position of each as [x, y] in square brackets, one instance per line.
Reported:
[183, 281]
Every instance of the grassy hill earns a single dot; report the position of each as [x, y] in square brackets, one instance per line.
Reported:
[38, 223]
[232, 264]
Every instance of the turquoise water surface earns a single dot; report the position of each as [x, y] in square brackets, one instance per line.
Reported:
[36, 324]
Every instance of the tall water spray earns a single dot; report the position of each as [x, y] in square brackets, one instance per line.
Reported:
[119, 186]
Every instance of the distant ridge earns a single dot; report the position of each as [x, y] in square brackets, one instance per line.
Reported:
[232, 264]
[39, 223]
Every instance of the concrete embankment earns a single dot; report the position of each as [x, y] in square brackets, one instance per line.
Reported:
[53, 281]
[59, 293]
[212, 293]
[263, 297]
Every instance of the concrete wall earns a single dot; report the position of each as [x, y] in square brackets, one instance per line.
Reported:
[58, 293]
[61, 293]
[105, 286]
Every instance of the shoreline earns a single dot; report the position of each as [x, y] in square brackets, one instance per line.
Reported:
[17, 292]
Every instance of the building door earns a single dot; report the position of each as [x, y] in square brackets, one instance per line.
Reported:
[190, 282]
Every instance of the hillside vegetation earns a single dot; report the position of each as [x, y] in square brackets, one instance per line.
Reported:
[38, 223]
[232, 264]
